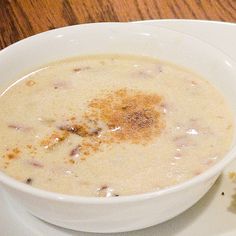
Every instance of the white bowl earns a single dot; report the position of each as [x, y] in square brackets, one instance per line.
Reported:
[130, 212]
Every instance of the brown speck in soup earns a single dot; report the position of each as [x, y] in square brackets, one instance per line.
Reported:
[35, 163]
[30, 83]
[103, 187]
[55, 138]
[81, 130]
[71, 161]
[75, 151]
[13, 153]
[159, 68]
[106, 191]
[73, 118]
[29, 146]
[102, 191]
[83, 68]
[77, 69]
[19, 127]
[61, 84]
[28, 181]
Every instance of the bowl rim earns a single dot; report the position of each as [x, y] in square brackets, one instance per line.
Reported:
[206, 175]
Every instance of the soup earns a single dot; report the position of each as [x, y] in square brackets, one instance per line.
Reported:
[111, 125]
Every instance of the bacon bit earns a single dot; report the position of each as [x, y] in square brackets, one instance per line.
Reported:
[54, 139]
[105, 191]
[30, 83]
[14, 127]
[165, 107]
[13, 154]
[103, 187]
[19, 127]
[75, 154]
[35, 163]
[78, 69]
[102, 191]
[75, 151]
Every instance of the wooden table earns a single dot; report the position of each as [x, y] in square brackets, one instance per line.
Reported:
[22, 18]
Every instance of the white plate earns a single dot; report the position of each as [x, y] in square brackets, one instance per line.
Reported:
[211, 216]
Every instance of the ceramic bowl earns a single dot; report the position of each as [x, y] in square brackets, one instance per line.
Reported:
[128, 212]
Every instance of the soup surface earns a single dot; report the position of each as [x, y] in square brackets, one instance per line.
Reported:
[111, 125]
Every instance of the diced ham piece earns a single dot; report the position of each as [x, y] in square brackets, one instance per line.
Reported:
[105, 191]
[35, 163]
[19, 127]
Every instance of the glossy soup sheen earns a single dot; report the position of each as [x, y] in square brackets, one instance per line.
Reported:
[111, 125]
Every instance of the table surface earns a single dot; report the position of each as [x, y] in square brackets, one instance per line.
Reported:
[22, 18]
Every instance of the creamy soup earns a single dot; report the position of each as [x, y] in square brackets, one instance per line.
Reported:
[111, 125]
